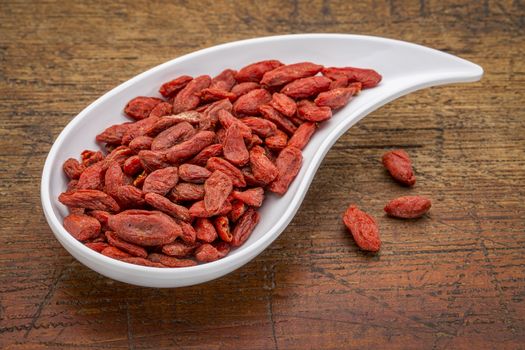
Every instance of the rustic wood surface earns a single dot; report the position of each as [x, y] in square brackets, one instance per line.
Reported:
[452, 280]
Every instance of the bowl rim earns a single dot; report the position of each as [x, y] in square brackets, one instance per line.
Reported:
[222, 264]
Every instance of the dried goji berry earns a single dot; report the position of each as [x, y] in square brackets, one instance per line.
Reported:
[171, 87]
[208, 253]
[138, 129]
[337, 98]
[210, 116]
[398, 164]
[244, 227]
[260, 126]
[252, 197]
[283, 104]
[129, 197]
[162, 109]
[153, 160]
[129, 248]
[205, 230]
[238, 208]
[178, 133]
[222, 247]
[144, 227]
[250, 179]
[114, 133]
[193, 173]
[179, 249]
[222, 226]
[82, 227]
[140, 143]
[101, 237]
[224, 81]
[139, 179]
[113, 179]
[234, 148]
[161, 181]
[188, 232]
[211, 94]
[89, 199]
[166, 206]
[277, 142]
[227, 120]
[254, 140]
[191, 147]
[187, 192]
[203, 106]
[308, 110]
[302, 135]
[363, 228]
[170, 261]
[72, 185]
[73, 210]
[263, 169]
[72, 168]
[93, 177]
[255, 71]
[288, 164]
[115, 253]
[188, 98]
[102, 216]
[338, 81]
[140, 107]
[91, 157]
[278, 119]
[244, 88]
[296, 120]
[165, 122]
[216, 189]
[97, 246]
[202, 157]
[368, 77]
[227, 168]
[249, 103]
[198, 210]
[285, 74]
[118, 155]
[220, 135]
[306, 87]
[408, 207]
[132, 166]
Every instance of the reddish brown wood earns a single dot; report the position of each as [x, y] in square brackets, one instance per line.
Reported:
[452, 280]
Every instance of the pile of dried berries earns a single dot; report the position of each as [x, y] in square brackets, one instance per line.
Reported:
[181, 183]
[363, 226]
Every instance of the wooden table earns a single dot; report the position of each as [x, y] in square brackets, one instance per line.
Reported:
[452, 280]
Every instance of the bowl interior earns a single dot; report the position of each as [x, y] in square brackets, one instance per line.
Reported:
[393, 60]
[109, 111]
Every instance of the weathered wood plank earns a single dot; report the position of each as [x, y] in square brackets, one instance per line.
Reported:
[455, 279]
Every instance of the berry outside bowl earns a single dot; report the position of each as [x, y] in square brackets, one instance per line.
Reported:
[405, 68]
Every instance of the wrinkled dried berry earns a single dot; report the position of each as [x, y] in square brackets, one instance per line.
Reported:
[399, 165]
[216, 189]
[144, 227]
[161, 181]
[408, 207]
[82, 227]
[363, 228]
[288, 164]
[244, 227]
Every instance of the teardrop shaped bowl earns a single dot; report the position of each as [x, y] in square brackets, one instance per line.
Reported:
[405, 67]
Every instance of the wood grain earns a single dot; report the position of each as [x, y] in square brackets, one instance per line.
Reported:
[452, 280]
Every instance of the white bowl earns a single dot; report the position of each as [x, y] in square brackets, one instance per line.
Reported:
[405, 67]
